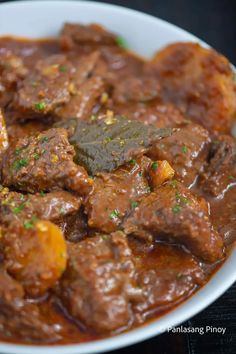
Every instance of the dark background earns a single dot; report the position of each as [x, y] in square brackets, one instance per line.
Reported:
[214, 21]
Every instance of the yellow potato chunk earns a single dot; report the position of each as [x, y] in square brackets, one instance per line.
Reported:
[3, 134]
[199, 81]
[36, 255]
[160, 172]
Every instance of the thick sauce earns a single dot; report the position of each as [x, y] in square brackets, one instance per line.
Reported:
[165, 271]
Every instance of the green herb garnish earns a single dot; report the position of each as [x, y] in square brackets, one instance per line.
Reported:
[134, 204]
[93, 118]
[176, 209]
[154, 166]
[17, 165]
[132, 162]
[62, 68]
[114, 214]
[36, 156]
[17, 151]
[121, 42]
[184, 149]
[44, 139]
[40, 106]
[18, 209]
[62, 210]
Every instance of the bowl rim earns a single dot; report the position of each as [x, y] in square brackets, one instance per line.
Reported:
[190, 307]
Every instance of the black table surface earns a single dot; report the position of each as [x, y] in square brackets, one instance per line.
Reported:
[215, 22]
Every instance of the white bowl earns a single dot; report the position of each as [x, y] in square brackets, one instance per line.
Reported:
[145, 35]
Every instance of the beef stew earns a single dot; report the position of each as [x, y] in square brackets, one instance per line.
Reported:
[118, 182]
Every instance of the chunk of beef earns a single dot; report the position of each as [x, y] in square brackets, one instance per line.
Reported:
[162, 115]
[115, 194]
[186, 151]
[54, 206]
[165, 274]
[75, 35]
[43, 163]
[17, 130]
[220, 174]
[136, 89]
[84, 100]
[97, 286]
[12, 70]
[173, 214]
[199, 81]
[21, 319]
[48, 86]
[75, 226]
[140, 98]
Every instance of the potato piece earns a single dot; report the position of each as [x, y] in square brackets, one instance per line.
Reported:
[199, 81]
[160, 172]
[3, 134]
[35, 254]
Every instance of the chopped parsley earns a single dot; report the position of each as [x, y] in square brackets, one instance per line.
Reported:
[36, 156]
[42, 194]
[34, 84]
[105, 237]
[62, 210]
[154, 166]
[134, 204]
[231, 178]
[132, 162]
[40, 106]
[181, 199]
[114, 214]
[29, 224]
[93, 118]
[17, 165]
[18, 209]
[184, 149]
[121, 42]
[44, 139]
[17, 151]
[176, 209]
[62, 68]
[173, 183]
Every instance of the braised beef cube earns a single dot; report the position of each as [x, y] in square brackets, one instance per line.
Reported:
[199, 81]
[54, 206]
[74, 35]
[84, 100]
[134, 89]
[161, 115]
[165, 274]
[186, 151]
[44, 163]
[12, 70]
[173, 214]
[139, 99]
[220, 174]
[21, 319]
[75, 226]
[47, 87]
[116, 193]
[99, 283]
